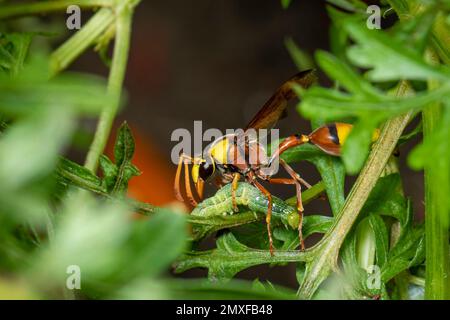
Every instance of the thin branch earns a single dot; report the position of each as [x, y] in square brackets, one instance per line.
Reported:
[115, 83]
[62, 57]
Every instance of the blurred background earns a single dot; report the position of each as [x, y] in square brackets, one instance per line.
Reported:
[215, 61]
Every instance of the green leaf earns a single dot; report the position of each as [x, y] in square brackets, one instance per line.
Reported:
[345, 76]
[117, 176]
[31, 90]
[153, 245]
[327, 104]
[6, 59]
[388, 57]
[311, 224]
[109, 170]
[29, 149]
[332, 172]
[411, 135]
[416, 31]
[349, 5]
[13, 50]
[124, 147]
[381, 239]
[108, 246]
[387, 199]
[285, 3]
[400, 6]
[301, 58]
[355, 275]
[432, 147]
[356, 147]
[84, 237]
[255, 235]
[201, 290]
[408, 251]
[338, 41]
[72, 173]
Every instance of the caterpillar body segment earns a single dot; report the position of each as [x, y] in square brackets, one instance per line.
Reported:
[249, 197]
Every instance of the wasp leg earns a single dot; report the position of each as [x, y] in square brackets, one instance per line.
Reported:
[300, 209]
[184, 161]
[199, 186]
[269, 212]
[299, 205]
[177, 183]
[234, 186]
[187, 183]
[304, 182]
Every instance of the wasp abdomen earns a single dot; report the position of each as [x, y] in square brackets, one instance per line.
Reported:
[331, 137]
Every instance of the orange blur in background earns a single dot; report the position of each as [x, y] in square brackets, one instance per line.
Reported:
[155, 184]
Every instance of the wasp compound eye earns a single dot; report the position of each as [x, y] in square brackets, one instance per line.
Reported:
[206, 170]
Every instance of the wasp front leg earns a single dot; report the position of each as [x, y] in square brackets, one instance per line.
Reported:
[184, 161]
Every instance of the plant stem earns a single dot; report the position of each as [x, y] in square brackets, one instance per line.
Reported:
[115, 83]
[327, 251]
[416, 280]
[19, 10]
[436, 209]
[62, 57]
[309, 194]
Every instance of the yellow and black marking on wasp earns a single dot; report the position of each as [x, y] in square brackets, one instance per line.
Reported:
[227, 157]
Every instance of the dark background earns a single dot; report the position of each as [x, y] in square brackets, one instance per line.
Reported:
[216, 61]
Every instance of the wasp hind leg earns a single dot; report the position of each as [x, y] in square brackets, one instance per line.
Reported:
[269, 213]
[298, 180]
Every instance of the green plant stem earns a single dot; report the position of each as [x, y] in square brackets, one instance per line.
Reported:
[308, 195]
[18, 10]
[115, 83]
[436, 207]
[327, 251]
[416, 280]
[62, 57]
[250, 257]
[436, 176]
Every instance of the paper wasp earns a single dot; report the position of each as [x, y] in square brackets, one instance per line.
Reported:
[229, 154]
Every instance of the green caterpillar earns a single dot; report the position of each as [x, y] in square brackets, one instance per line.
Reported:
[246, 196]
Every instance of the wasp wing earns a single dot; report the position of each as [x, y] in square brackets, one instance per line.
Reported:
[275, 107]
